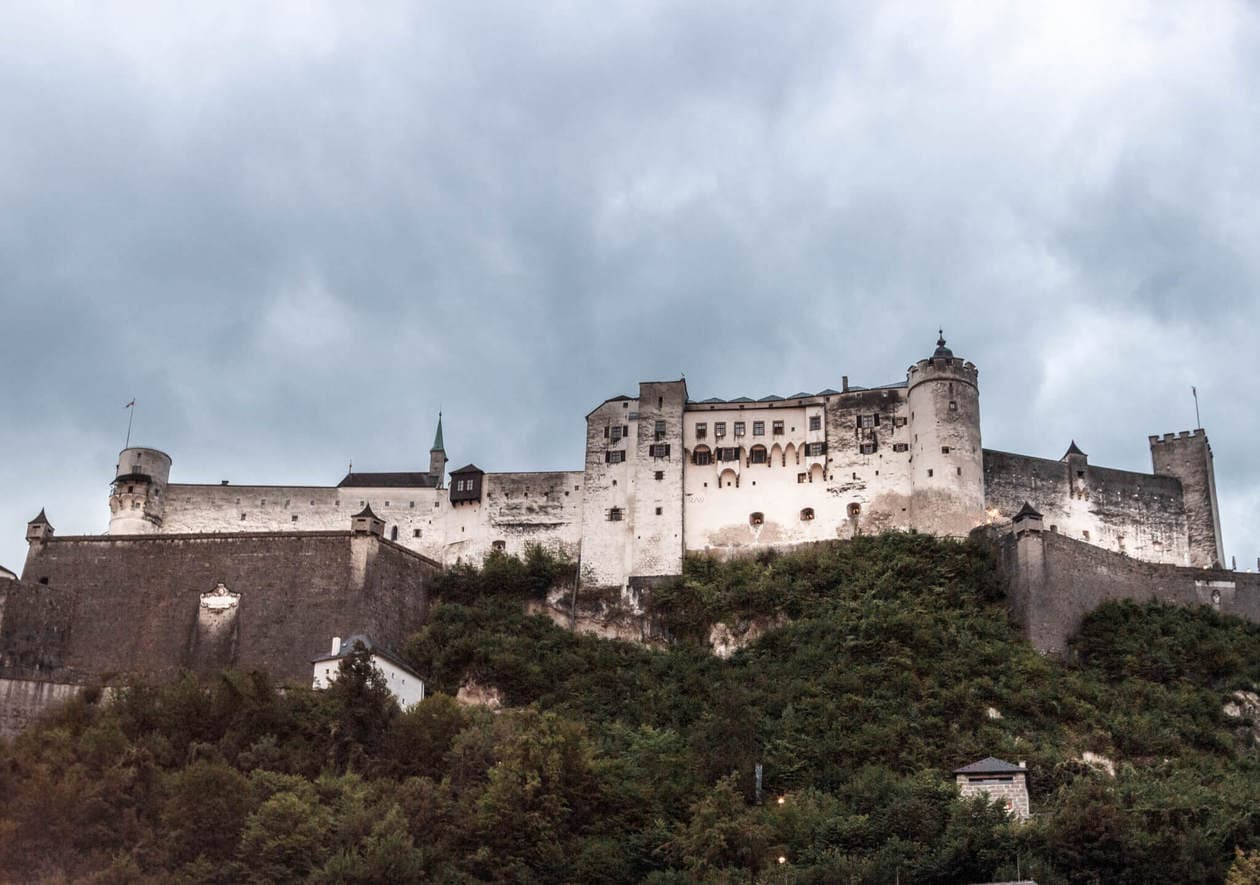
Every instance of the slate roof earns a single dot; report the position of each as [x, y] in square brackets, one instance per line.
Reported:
[388, 481]
[772, 398]
[827, 392]
[367, 512]
[1026, 511]
[39, 520]
[991, 765]
[468, 468]
[347, 649]
[1073, 449]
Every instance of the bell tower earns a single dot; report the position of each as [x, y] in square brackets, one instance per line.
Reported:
[437, 456]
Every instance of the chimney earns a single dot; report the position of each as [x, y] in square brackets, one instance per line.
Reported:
[844, 383]
[336, 645]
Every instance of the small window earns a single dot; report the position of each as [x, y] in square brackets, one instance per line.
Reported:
[499, 546]
[393, 533]
[855, 510]
[660, 430]
[807, 514]
[293, 518]
[131, 489]
[953, 405]
[719, 429]
[958, 470]
[614, 514]
[242, 517]
[776, 427]
[899, 422]
[868, 420]
[867, 448]
[815, 422]
[739, 428]
[802, 477]
[658, 511]
[702, 456]
[615, 457]
[944, 450]
[659, 450]
[702, 430]
[415, 533]
[901, 447]
[756, 518]
[929, 471]
[614, 432]
[759, 428]
[1085, 534]
[659, 475]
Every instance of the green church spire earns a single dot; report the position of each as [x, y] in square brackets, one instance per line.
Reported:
[437, 440]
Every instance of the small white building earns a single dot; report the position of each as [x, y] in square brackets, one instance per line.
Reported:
[404, 683]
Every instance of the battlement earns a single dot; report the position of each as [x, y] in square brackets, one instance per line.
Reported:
[1176, 438]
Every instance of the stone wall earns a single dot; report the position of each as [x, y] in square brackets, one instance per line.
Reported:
[1188, 456]
[23, 700]
[1013, 793]
[1054, 581]
[1136, 513]
[119, 606]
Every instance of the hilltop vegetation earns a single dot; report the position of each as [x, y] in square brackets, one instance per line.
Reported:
[892, 664]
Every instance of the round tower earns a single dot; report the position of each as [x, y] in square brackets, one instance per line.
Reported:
[137, 498]
[947, 466]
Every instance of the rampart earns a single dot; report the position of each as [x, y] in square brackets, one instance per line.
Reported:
[97, 608]
[1054, 581]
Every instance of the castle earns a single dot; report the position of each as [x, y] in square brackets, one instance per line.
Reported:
[666, 475]
[201, 577]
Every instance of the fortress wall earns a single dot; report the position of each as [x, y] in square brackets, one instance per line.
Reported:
[721, 497]
[516, 509]
[23, 700]
[136, 601]
[1136, 513]
[34, 623]
[1055, 581]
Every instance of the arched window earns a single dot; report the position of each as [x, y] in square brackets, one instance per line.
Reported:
[393, 533]
[807, 514]
[757, 455]
[756, 518]
[701, 456]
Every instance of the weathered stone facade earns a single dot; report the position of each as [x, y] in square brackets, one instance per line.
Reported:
[997, 781]
[665, 475]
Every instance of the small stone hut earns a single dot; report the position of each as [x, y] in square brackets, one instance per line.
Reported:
[998, 781]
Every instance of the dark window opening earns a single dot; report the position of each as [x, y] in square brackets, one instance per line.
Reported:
[658, 511]
[759, 428]
[953, 405]
[944, 450]
[855, 510]
[757, 455]
[807, 514]
[777, 428]
[614, 457]
[739, 428]
[702, 430]
[867, 448]
[815, 422]
[393, 533]
[614, 514]
[701, 456]
[660, 474]
[756, 518]
[660, 430]
[900, 447]
[659, 450]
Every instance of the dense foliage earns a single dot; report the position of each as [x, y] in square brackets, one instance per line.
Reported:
[886, 662]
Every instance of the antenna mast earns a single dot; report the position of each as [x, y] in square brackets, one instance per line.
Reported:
[1198, 425]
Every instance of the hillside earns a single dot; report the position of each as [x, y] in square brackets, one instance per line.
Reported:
[888, 662]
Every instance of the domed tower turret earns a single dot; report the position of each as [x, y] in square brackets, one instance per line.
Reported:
[137, 499]
[947, 467]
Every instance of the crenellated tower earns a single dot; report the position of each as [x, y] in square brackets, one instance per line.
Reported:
[947, 469]
[1188, 457]
[137, 499]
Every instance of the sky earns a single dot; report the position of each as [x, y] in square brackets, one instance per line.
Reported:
[294, 232]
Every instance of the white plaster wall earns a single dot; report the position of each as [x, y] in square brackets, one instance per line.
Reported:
[605, 544]
[948, 490]
[406, 688]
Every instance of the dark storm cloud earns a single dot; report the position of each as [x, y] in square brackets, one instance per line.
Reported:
[296, 234]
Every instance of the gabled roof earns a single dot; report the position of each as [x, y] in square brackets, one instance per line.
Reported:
[801, 395]
[713, 399]
[827, 392]
[366, 513]
[467, 468]
[772, 398]
[743, 399]
[40, 520]
[388, 481]
[347, 649]
[991, 765]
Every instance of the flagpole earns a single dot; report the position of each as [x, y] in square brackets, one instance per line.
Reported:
[1198, 424]
[131, 414]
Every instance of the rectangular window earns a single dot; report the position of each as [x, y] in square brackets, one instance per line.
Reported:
[614, 515]
[953, 405]
[702, 430]
[815, 448]
[660, 474]
[776, 427]
[660, 430]
[815, 422]
[900, 447]
[944, 450]
[415, 533]
[719, 429]
[658, 511]
[759, 428]
[899, 422]
[659, 450]
[615, 434]
[801, 477]
[739, 428]
[867, 448]
[868, 420]
[757, 455]
[616, 457]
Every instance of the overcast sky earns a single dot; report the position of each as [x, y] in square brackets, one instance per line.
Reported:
[294, 232]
